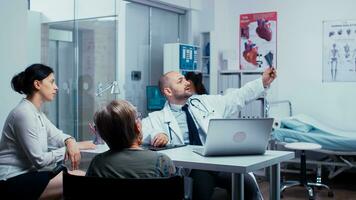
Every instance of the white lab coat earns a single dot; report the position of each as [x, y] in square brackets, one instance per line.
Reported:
[204, 108]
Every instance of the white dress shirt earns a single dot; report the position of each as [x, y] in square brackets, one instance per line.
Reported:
[181, 118]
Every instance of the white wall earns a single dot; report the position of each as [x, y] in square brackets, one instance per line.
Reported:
[177, 3]
[299, 55]
[64, 10]
[13, 51]
[54, 10]
[33, 37]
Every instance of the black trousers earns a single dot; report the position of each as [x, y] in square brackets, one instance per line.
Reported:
[204, 183]
[25, 186]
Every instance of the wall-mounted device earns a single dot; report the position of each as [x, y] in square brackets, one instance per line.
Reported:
[180, 57]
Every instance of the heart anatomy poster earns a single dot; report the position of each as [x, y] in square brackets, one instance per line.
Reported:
[339, 50]
[258, 41]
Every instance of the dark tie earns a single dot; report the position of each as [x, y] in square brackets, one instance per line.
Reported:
[193, 131]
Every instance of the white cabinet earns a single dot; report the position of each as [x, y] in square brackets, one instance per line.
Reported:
[236, 79]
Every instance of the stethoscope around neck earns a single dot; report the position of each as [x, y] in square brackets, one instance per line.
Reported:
[201, 107]
[170, 132]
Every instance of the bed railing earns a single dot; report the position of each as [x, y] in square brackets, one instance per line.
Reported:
[270, 103]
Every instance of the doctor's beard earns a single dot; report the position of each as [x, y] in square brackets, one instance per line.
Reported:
[183, 96]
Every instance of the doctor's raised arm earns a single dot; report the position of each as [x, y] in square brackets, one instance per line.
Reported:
[231, 103]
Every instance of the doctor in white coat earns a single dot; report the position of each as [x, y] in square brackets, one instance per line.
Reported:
[169, 125]
[162, 127]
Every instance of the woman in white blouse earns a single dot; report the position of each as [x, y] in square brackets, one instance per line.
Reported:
[26, 136]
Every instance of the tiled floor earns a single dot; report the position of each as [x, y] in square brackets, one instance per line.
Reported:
[343, 186]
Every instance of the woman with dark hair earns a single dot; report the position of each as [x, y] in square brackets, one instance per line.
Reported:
[27, 136]
[196, 82]
[119, 125]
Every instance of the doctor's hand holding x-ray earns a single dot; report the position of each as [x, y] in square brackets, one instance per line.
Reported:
[268, 76]
[168, 125]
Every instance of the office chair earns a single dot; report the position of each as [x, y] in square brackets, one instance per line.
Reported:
[155, 100]
[85, 187]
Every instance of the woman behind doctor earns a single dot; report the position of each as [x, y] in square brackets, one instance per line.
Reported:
[196, 82]
[26, 136]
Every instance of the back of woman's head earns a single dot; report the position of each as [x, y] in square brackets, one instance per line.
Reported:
[116, 124]
[23, 82]
[197, 80]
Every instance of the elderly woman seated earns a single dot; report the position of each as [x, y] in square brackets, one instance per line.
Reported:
[119, 125]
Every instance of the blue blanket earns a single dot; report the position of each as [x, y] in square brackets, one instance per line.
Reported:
[306, 129]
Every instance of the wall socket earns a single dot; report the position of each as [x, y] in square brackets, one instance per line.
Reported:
[135, 75]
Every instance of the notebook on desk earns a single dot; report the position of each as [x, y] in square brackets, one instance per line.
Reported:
[168, 146]
[236, 137]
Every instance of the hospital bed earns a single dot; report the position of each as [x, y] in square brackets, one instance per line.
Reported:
[338, 151]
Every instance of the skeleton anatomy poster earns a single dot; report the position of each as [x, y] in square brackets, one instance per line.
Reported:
[258, 41]
[339, 50]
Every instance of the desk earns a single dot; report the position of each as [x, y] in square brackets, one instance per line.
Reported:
[236, 165]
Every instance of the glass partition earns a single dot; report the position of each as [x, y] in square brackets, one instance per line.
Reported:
[83, 55]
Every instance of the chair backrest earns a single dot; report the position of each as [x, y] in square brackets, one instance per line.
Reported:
[155, 100]
[84, 187]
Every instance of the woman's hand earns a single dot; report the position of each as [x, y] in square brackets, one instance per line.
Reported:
[73, 153]
[86, 145]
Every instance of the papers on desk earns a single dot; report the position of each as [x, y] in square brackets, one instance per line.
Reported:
[100, 148]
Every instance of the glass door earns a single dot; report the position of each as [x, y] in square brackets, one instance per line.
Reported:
[147, 30]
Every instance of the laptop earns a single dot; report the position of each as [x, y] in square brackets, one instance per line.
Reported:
[236, 137]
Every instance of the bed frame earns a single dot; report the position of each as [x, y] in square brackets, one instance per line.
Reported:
[335, 162]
